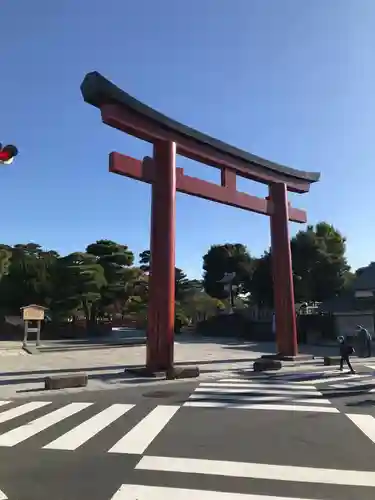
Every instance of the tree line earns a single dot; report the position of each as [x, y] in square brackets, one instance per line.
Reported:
[107, 279]
[320, 268]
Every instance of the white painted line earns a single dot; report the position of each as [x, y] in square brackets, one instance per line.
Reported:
[258, 471]
[349, 385]
[270, 385]
[138, 439]
[314, 401]
[22, 410]
[332, 379]
[140, 492]
[19, 434]
[3, 403]
[365, 423]
[3, 496]
[301, 391]
[224, 397]
[85, 431]
[275, 407]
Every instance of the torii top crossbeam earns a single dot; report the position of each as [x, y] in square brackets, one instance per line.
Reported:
[122, 111]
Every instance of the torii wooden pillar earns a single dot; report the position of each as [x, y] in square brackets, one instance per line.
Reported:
[121, 111]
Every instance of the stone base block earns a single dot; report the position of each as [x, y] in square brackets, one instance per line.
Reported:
[182, 372]
[266, 364]
[283, 357]
[331, 360]
[65, 381]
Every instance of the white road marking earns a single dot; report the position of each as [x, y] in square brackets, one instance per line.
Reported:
[79, 435]
[4, 497]
[224, 397]
[22, 410]
[366, 423]
[19, 434]
[140, 492]
[332, 379]
[359, 383]
[3, 403]
[301, 392]
[273, 385]
[139, 438]
[290, 407]
[258, 471]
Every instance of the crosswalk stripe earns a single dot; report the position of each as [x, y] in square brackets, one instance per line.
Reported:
[141, 492]
[365, 423]
[332, 379]
[138, 439]
[85, 431]
[217, 397]
[280, 385]
[359, 383]
[257, 471]
[289, 407]
[257, 391]
[22, 410]
[19, 434]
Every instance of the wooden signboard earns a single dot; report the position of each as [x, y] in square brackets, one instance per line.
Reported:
[32, 312]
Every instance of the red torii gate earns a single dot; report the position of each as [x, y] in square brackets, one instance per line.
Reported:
[125, 113]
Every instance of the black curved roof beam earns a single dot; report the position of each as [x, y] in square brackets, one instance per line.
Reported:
[122, 111]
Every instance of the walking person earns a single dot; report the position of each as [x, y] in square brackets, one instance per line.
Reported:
[366, 341]
[345, 351]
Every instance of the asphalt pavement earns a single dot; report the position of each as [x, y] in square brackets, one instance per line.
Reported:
[288, 436]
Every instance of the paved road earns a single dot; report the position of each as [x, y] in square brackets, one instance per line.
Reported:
[152, 443]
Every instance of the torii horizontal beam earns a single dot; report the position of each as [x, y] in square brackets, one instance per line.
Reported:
[225, 193]
[122, 111]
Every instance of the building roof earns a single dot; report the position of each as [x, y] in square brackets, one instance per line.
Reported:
[346, 303]
[366, 280]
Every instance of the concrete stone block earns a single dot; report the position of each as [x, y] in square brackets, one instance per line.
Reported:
[282, 357]
[54, 382]
[331, 360]
[266, 364]
[182, 372]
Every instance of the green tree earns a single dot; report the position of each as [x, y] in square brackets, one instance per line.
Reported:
[319, 263]
[228, 258]
[28, 278]
[79, 280]
[115, 260]
[260, 284]
[5, 260]
[144, 260]
[182, 283]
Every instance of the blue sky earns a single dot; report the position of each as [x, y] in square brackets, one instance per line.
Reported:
[289, 80]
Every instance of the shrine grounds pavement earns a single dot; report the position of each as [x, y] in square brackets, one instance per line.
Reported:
[22, 375]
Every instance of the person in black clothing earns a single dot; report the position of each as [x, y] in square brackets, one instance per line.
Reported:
[345, 351]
